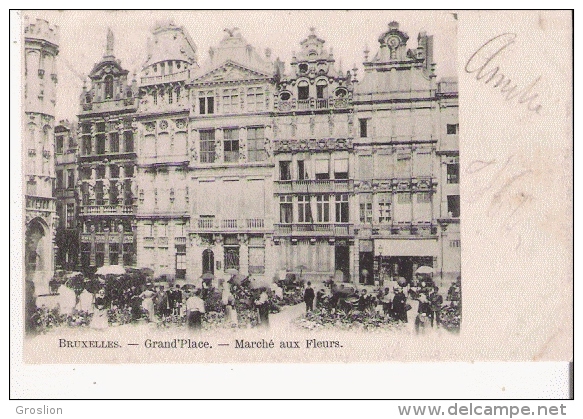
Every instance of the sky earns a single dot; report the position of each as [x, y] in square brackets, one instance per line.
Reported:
[83, 37]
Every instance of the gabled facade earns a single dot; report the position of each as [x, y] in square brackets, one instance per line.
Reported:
[315, 166]
[106, 165]
[231, 161]
[163, 214]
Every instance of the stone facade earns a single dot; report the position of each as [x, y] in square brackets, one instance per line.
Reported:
[40, 82]
[107, 164]
[242, 165]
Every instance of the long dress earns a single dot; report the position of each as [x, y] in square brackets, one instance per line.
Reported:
[66, 299]
[148, 303]
[99, 320]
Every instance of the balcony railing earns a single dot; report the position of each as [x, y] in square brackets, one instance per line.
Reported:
[107, 209]
[179, 240]
[113, 104]
[314, 186]
[39, 203]
[315, 229]
[307, 104]
[229, 224]
[149, 80]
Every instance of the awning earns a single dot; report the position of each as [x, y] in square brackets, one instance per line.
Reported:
[406, 247]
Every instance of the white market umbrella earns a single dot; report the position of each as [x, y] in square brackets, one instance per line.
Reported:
[424, 270]
[111, 270]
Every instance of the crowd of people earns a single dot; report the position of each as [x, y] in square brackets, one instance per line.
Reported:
[418, 301]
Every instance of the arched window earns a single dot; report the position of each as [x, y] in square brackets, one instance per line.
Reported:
[170, 96]
[108, 87]
[322, 89]
[208, 261]
[285, 96]
[178, 94]
[303, 90]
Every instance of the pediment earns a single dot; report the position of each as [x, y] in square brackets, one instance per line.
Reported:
[107, 67]
[230, 71]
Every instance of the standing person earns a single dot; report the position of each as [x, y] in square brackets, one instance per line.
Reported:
[263, 307]
[148, 303]
[436, 301]
[309, 297]
[177, 300]
[400, 305]
[423, 318]
[99, 320]
[194, 311]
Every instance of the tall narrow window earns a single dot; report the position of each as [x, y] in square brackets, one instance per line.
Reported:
[100, 144]
[363, 128]
[403, 166]
[59, 174]
[180, 261]
[453, 173]
[231, 145]
[99, 193]
[70, 220]
[206, 103]
[453, 206]
[366, 208]
[128, 137]
[207, 146]
[302, 174]
[321, 89]
[230, 100]
[59, 144]
[114, 142]
[86, 145]
[285, 170]
[71, 178]
[170, 96]
[342, 208]
[108, 87]
[304, 211]
[256, 144]
[323, 208]
[341, 169]
[384, 200]
[285, 209]
[365, 167]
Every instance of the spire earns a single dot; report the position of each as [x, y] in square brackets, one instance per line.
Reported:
[109, 45]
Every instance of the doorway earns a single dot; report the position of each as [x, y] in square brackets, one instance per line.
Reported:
[208, 261]
[342, 261]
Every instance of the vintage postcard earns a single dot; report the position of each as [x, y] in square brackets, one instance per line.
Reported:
[294, 186]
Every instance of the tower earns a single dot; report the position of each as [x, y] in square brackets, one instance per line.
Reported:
[40, 82]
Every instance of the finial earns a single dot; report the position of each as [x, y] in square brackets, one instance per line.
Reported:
[366, 52]
[109, 45]
[313, 30]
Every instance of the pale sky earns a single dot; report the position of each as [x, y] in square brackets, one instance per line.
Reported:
[83, 37]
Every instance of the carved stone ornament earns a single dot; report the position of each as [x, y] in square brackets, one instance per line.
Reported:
[163, 125]
[180, 123]
[150, 126]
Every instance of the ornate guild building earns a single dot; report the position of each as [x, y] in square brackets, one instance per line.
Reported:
[238, 163]
[40, 82]
[106, 165]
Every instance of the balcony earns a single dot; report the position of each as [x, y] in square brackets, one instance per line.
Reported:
[110, 105]
[314, 186]
[313, 104]
[180, 240]
[314, 230]
[107, 210]
[39, 203]
[229, 224]
[168, 78]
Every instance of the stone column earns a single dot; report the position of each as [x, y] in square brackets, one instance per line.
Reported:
[106, 248]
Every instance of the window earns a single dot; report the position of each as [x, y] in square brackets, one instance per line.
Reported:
[363, 128]
[71, 142]
[99, 193]
[100, 144]
[100, 127]
[59, 144]
[454, 243]
[114, 142]
[453, 206]
[114, 253]
[170, 96]
[85, 194]
[113, 192]
[86, 145]
[453, 173]
[303, 68]
[71, 178]
[285, 96]
[178, 92]
[230, 100]
[255, 100]
[323, 208]
[321, 89]
[180, 261]
[206, 103]
[207, 146]
[128, 141]
[403, 166]
[100, 172]
[108, 87]
[231, 249]
[322, 169]
[365, 167]
[231, 145]
[114, 171]
[341, 169]
[303, 90]
[342, 208]
[86, 128]
[452, 129]
[285, 170]
[302, 174]
[70, 216]
[304, 211]
[155, 97]
[256, 255]
[285, 209]
[404, 198]
[60, 179]
[99, 254]
[366, 208]
[423, 198]
[128, 254]
[384, 200]
[422, 164]
[162, 230]
[127, 192]
[256, 144]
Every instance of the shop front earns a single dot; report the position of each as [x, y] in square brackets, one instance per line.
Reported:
[400, 258]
